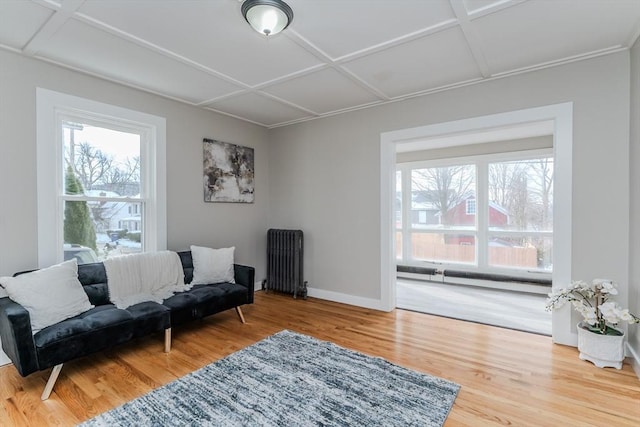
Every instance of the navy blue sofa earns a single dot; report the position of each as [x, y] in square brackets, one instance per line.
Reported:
[106, 326]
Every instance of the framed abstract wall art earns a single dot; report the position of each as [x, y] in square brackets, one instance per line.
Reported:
[228, 172]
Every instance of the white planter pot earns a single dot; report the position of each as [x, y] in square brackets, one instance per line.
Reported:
[602, 350]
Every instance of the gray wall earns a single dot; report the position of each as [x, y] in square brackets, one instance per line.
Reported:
[190, 220]
[324, 174]
[634, 158]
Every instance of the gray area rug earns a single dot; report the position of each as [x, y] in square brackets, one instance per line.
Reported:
[290, 379]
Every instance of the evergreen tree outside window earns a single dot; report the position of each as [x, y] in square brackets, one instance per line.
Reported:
[78, 225]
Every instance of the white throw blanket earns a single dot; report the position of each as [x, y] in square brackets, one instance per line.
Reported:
[150, 276]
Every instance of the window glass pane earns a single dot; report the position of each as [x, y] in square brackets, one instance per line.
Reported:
[444, 247]
[104, 162]
[398, 245]
[398, 201]
[521, 195]
[91, 240]
[439, 197]
[101, 162]
[80, 240]
[531, 253]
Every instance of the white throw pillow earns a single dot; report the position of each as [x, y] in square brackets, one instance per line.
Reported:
[50, 295]
[212, 265]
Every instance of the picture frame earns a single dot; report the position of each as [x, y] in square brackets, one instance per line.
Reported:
[228, 172]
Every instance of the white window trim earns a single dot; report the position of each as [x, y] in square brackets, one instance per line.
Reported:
[50, 107]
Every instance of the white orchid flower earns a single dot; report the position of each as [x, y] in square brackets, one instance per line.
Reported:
[608, 287]
[626, 316]
[611, 312]
[587, 299]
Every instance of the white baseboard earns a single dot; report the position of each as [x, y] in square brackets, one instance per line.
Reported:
[635, 359]
[345, 298]
[337, 297]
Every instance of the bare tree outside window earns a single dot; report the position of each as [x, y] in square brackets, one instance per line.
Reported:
[524, 189]
[508, 189]
[443, 188]
[89, 164]
[541, 171]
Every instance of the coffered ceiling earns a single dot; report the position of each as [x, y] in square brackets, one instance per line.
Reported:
[336, 56]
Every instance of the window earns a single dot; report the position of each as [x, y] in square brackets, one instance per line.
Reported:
[471, 206]
[488, 213]
[102, 170]
[102, 187]
[520, 226]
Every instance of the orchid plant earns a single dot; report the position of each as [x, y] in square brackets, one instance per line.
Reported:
[591, 300]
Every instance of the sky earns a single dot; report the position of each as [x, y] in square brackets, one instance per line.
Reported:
[118, 144]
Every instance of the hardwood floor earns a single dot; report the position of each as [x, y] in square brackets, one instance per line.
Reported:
[507, 377]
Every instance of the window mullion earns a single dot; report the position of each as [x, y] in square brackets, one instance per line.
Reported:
[482, 213]
[407, 253]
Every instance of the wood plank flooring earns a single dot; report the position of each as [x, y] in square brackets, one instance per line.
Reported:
[508, 377]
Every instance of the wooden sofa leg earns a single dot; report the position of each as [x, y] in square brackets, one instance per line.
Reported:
[167, 340]
[51, 382]
[239, 311]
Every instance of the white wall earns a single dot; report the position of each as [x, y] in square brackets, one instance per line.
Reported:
[190, 220]
[634, 229]
[324, 174]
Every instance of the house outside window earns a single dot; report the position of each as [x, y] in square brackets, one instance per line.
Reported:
[489, 213]
[109, 199]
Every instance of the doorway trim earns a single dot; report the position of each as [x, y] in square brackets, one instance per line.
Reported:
[562, 117]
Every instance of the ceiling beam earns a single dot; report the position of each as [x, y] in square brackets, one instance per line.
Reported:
[52, 26]
[324, 57]
[634, 36]
[471, 35]
[493, 8]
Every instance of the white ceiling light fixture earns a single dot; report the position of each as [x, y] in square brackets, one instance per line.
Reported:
[267, 17]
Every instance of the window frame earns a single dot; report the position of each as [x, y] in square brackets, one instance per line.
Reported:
[481, 232]
[54, 107]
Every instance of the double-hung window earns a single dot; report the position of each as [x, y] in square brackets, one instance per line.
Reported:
[489, 213]
[101, 180]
